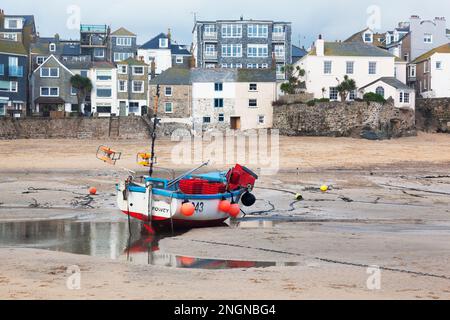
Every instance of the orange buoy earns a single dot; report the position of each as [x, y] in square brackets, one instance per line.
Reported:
[187, 209]
[93, 191]
[234, 211]
[224, 206]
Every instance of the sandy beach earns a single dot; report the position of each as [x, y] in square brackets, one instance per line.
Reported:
[388, 210]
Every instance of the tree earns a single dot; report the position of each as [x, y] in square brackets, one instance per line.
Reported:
[345, 87]
[83, 86]
[293, 75]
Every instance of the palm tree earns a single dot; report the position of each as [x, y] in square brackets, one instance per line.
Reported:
[345, 87]
[83, 86]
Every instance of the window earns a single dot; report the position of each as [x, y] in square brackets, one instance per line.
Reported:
[84, 73]
[327, 67]
[104, 92]
[428, 38]
[179, 60]
[210, 65]
[380, 91]
[258, 30]
[412, 71]
[104, 75]
[138, 70]
[168, 107]
[439, 65]
[280, 51]
[138, 86]
[261, 119]
[257, 66]
[10, 36]
[221, 117]
[206, 119]
[368, 37]
[163, 43]
[49, 92]
[278, 29]
[122, 56]
[218, 103]
[2, 69]
[99, 53]
[52, 47]
[224, 65]
[123, 86]
[73, 91]
[49, 72]
[232, 50]
[253, 87]
[210, 50]
[133, 107]
[123, 41]
[13, 86]
[210, 29]
[253, 103]
[122, 69]
[12, 24]
[350, 67]
[104, 108]
[257, 51]
[333, 93]
[5, 86]
[352, 95]
[425, 67]
[372, 67]
[40, 60]
[232, 31]
[168, 91]
[406, 97]
[218, 87]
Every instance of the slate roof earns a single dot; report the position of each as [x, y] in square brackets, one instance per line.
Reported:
[123, 32]
[179, 50]
[352, 49]
[442, 49]
[378, 38]
[102, 65]
[71, 49]
[233, 75]
[256, 75]
[393, 82]
[154, 43]
[28, 20]
[63, 47]
[13, 47]
[173, 76]
[298, 53]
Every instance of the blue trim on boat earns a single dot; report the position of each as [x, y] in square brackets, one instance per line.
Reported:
[176, 195]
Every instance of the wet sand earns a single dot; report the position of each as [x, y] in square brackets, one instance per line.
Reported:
[388, 207]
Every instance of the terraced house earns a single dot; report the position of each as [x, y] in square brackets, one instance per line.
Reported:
[248, 44]
[132, 87]
[51, 89]
[123, 45]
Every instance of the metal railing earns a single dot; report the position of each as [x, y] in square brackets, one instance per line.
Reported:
[210, 55]
[279, 36]
[210, 36]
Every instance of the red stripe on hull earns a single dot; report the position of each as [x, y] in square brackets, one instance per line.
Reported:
[160, 221]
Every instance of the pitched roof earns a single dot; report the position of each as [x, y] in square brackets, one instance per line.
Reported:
[102, 65]
[123, 32]
[442, 49]
[392, 81]
[378, 38]
[298, 53]
[352, 49]
[256, 75]
[173, 76]
[180, 50]
[133, 61]
[13, 47]
[232, 75]
[28, 20]
[52, 57]
[154, 43]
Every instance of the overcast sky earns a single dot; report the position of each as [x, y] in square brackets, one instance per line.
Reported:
[334, 19]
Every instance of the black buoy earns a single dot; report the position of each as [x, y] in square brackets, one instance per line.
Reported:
[248, 199]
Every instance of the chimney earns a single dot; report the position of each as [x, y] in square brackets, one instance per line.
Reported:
[169, 34]
[57, 38]
[320, 46]
[2, 18]
[153, 69]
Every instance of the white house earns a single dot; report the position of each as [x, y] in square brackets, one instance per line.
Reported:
[390, 87]
[430, 73]
[104, 93]
[239, 99]
[328, 62]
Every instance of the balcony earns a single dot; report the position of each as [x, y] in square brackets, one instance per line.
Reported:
[210, 55]
[278, 36]
[281, 76]
[93, 28]
[210, 36]
[280, 57]
[15, 71]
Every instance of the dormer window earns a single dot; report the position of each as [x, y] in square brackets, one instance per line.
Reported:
[13, 24]
[368, 37]
[52, 47]
[163, 43]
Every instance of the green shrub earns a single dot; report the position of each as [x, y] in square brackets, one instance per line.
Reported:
[374, 97]
[313, 102]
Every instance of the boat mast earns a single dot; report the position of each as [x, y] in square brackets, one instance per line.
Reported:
[155, 122]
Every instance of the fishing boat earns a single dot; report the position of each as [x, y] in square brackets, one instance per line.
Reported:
[190, 200]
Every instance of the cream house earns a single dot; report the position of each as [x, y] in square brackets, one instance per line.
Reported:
[239, 99]
[403, 96]
[104, 93]
[328, 63]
